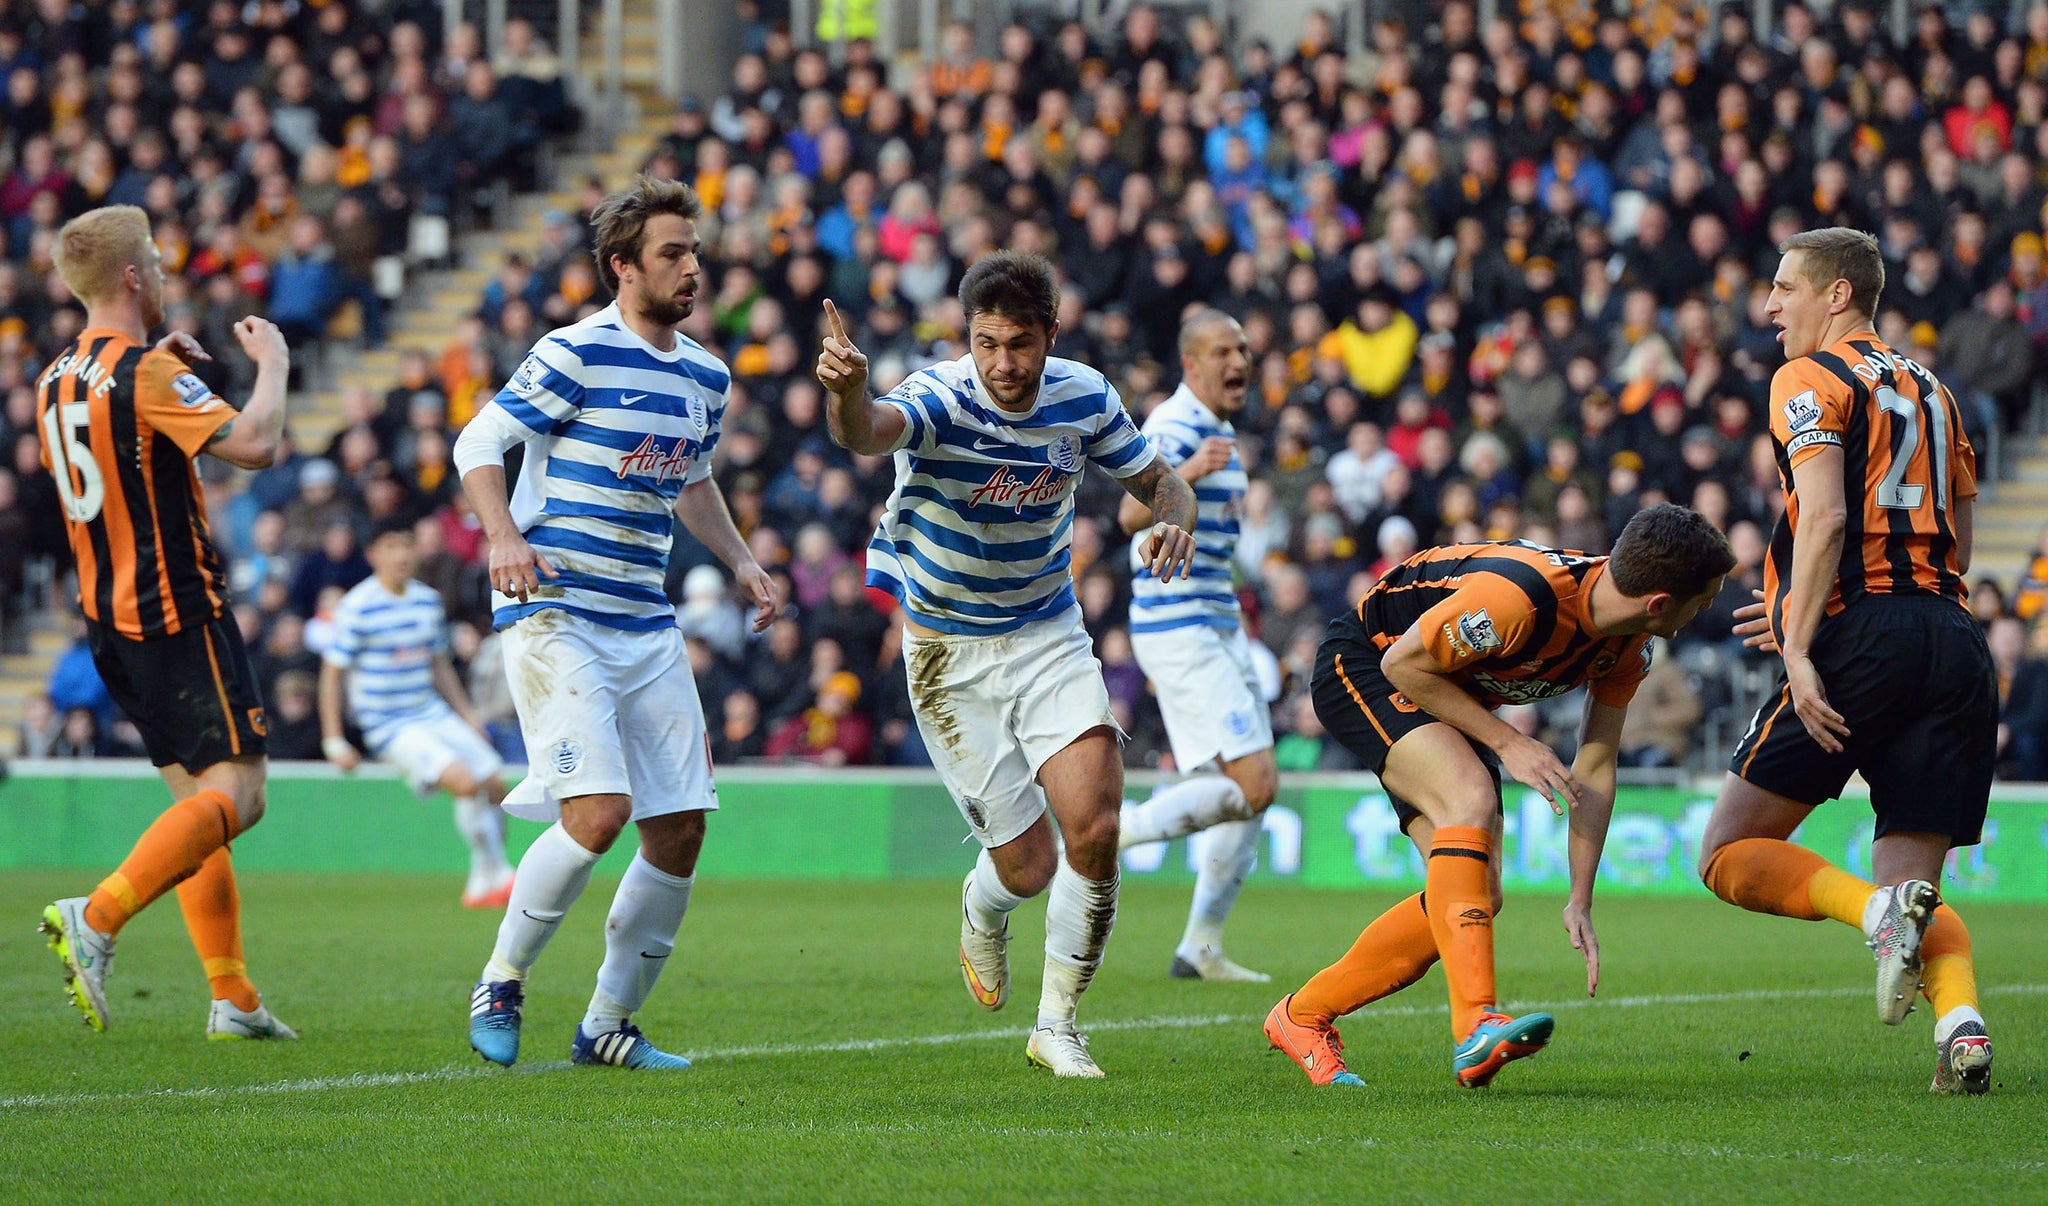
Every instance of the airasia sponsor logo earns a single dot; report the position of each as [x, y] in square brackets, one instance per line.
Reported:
[1006, 489]
[653, 460]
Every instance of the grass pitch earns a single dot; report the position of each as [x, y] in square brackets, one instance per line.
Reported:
[839, 1059]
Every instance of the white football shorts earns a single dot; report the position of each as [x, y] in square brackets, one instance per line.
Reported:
[1209, 694]
[423, 750]
[993, 709]
[605, 712]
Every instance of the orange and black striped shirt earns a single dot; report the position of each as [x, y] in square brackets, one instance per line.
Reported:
[120, 423]
[1905, 458]
[1512, 621]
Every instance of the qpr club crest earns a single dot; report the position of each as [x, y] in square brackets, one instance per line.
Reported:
[1064, 454]
[566, 756]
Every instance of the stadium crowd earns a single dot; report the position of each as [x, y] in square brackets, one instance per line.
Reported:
[1497, 282]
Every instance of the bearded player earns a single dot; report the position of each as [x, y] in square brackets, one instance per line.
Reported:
[1008, 695]
[619, 414]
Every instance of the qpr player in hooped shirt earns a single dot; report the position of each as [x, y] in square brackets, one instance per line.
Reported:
[1003, 680]
[619, 414]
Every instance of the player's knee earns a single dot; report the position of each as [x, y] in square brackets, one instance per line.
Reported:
[1472, 808]
[1259, 779]
[249, 808]
[1095, 834]
[457, 780]
[674, 843]
[595, 822]
[1029, 873]
[1708, 855]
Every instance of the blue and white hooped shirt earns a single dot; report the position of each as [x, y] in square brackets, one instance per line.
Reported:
[975, 539]
[620, 428]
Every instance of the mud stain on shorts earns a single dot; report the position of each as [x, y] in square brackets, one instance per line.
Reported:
[927, 667]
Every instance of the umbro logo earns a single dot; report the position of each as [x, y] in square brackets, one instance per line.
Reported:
[1477, 915]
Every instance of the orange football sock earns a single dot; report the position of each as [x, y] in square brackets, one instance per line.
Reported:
[1948, 974]
[1461, 918]
[174, 846]
[1392, 953]
[213, 916]
[1765, 875]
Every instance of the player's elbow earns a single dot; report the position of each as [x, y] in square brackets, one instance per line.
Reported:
[1830, 518]
[249, 452]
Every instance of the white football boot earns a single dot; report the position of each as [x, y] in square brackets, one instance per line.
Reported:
[87, 955]
[1210, 964]
[229, 1023]
[984, 959]
[1894, 923]
[1062, 1049]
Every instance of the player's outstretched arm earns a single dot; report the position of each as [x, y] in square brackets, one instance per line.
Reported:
[1171, 547]
[856, 423]
[333, 744]
[701, 507]
[1594, 769]
[250, 440]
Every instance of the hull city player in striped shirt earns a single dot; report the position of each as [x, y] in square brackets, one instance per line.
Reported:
[1408, 682]
[1189, 638]
[619, 414]
[121, 423]
[1008, 695]
[1886, 673]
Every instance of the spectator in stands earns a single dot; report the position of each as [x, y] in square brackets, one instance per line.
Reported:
[2022, 697]
[294, 725]
[709, 613]
[336, 561]
[75, 681]
[831, 732]
[80, 737]
[1664, 716]
[738, 737]
[1985, 350]
[305, 285]
[41, 727]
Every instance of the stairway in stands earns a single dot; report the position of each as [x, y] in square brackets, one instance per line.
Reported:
[435, 302]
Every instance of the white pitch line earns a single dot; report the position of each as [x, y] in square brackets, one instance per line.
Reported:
[454, 1072]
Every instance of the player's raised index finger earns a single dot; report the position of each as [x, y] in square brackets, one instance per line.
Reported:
[838, 327]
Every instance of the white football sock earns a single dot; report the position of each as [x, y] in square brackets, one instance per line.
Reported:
[1189, 806]
[989, 903]
[483, 827]
[1954, 1018]
[551, 877]
[1224, 855]
[638, 937]
[1079, 913]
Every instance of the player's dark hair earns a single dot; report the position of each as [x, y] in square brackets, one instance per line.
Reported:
[1669, 548]
[1838, 253]
[1018, 285]
[390, 526]
[619, 223]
